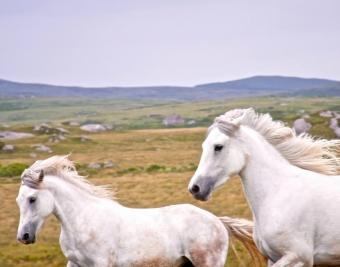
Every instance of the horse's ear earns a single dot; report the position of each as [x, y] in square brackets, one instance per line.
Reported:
[237, 121]
[41, 176]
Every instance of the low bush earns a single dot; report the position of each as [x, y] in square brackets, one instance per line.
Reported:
[13, 169]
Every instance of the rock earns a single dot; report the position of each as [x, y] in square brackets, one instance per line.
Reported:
[94, 166]
[56, 138]
[42, 148]
[327, 113]
[93, 128]
[84, 139]
[62, 130]
[337, 132]
[306, 116]
[109, 164]
[37, 128]
[8, 147]
[336, 115]
[73, 123]
[14, 135]
[33, 155]
[158, 149]
[301, 126]
[108, 126]
[334, 124]
[191, 122]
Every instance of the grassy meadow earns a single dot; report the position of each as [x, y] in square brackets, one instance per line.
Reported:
[152, 163]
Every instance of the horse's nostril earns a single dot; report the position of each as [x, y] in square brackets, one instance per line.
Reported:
[26, 236]
[195, 189]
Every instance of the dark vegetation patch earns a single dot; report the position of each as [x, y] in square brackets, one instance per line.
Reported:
[12, 169]
[8, 106]
[154, 168]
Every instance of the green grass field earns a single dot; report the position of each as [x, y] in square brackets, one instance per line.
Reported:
[153, 163]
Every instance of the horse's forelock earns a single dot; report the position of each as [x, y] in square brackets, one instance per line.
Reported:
[226, 123]
[31, 179]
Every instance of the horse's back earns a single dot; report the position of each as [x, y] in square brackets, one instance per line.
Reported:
[203, 235]
[173, 232]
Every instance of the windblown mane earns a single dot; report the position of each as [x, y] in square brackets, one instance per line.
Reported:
[302, 150]
[63, 168]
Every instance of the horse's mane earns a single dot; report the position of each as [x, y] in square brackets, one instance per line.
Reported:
[317, 155]
[63, 168]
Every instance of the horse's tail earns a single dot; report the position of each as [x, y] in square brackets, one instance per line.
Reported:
[242, 231]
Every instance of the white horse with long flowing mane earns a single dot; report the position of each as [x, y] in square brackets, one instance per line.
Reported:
[291, 183]
[97, 231]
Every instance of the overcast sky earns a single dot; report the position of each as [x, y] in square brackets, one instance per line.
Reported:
[173, 42]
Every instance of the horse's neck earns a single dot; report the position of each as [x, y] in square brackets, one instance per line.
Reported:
[265, 171]
[73, 206]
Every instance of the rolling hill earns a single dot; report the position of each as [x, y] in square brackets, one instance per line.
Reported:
[249, 87]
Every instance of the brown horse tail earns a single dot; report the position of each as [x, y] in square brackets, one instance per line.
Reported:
[242, 231]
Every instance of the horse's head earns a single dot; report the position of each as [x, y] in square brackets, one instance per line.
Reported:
[35, 205]
[223, 157]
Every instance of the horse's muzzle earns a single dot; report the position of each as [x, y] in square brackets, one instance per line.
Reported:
[200, 190]
[27, 239]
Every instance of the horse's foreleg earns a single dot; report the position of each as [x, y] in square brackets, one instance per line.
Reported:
[72, 264]
[291, 260]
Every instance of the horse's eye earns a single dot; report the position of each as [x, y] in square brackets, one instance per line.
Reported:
[218, 148]
[32, 200]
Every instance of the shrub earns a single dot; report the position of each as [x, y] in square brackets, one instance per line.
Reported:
[154, 168]
[13, 169]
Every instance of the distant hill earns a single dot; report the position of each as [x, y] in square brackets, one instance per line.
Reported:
[271, 83]
[254, 86]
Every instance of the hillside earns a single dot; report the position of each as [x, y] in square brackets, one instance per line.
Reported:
[249, 87]
[271, 83]
[331, 89]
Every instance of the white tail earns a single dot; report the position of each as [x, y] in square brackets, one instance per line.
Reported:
[242, 231]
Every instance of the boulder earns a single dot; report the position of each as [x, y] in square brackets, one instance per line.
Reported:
[334, 124]
[8, 147]
[84, 139]
[94, 166]
[14, 135]
[108, 126]
[337, 132]
[336, 115]
[93, 128]
[327, 113]
[56, 138]
[42, 148]
[109, 164]
[62, 130]
[301, 126]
